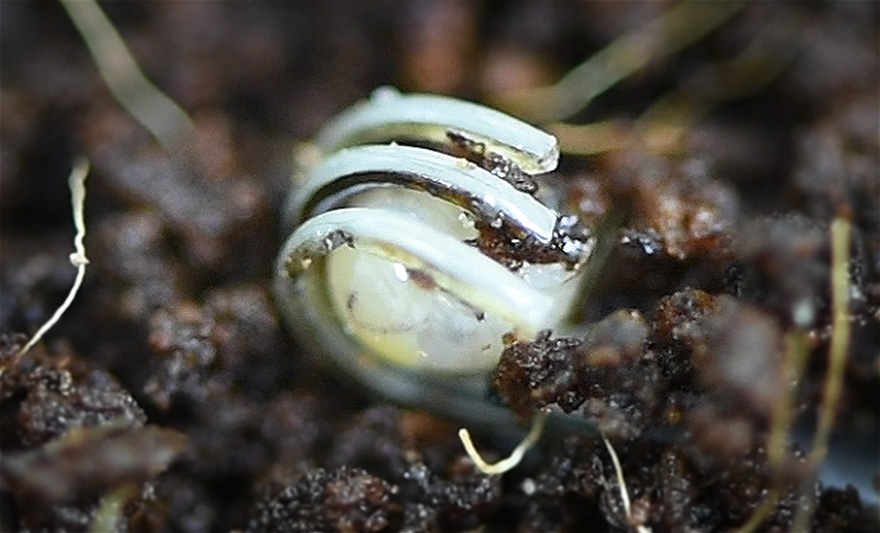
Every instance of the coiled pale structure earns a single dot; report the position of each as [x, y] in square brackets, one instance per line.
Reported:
[418, 246]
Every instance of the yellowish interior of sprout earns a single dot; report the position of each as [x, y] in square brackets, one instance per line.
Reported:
[399, 312]
[402, 316]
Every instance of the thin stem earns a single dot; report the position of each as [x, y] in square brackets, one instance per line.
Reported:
[164, 119]
[662, 127]
[78, 257]
[792, 370]
[837, 357]
[676, 29]
[621, 483]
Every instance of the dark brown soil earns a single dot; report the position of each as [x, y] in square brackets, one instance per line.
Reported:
[170, 398]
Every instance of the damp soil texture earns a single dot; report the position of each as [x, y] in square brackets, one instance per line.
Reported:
[170, 396]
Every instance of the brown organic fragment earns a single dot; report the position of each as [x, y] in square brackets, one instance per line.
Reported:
[89, 461]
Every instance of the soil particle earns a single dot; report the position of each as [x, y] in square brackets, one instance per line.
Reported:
[44, 397]
[371, 439]
[345, 500]
[534, 374]
[455, 503]
[736, 348]
[709, 363]
[690, 212]
[210, 214]
[785, 268]
[57, 402]
[204, 350]
[605, 374]
[136, 260]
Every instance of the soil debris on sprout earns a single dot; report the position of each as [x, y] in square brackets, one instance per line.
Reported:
[167, 397]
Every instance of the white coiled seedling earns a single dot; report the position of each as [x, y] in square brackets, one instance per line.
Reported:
[386, 270]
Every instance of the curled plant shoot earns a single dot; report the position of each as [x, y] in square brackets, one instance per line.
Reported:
[418, 248]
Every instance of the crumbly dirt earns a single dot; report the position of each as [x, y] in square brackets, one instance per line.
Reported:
[171, 398]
